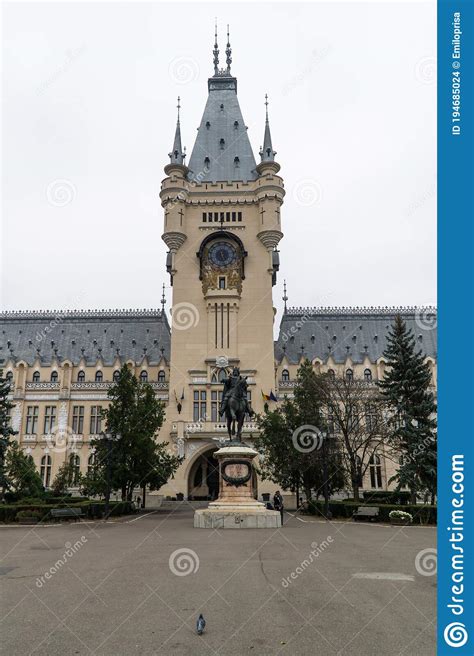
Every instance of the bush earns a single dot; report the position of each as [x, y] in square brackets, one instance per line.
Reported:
[422, 514]
[400, 514]
[384, 496]
[92, 510]
[30, 514]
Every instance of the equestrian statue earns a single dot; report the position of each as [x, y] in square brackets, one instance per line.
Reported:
[235, 404]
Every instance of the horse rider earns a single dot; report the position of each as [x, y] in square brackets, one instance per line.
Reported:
[230, 382]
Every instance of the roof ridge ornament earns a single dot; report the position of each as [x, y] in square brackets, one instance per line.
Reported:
[215, 52]
[228, 52]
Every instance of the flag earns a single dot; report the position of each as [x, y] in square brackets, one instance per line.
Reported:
[265, 397]
[273, 397]
[182, 395]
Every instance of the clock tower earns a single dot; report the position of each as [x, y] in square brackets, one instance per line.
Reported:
[222, 228]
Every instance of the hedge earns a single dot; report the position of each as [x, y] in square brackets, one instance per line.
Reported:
[92, 510]
[422, 514]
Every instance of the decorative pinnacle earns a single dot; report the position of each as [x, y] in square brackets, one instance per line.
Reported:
[163, 299]
[266, 107]
[178, 106]
[215, 52]
[285, 297]
[228, 51]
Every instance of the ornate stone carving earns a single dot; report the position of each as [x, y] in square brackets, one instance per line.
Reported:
[270, 238]
[174, 240]
[16, 417]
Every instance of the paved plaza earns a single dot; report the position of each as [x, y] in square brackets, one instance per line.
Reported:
[137, 585]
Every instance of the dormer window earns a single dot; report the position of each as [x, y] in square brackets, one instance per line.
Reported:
[222, 144]
[36, 377]
[116, 375]
[208, 125]
[143, 376]
[98, 377]
[367, 375]
[81, 377]
[236, 125]
[207, 161]
[285, 375]
[161, 376]
[222, 108]
[236, 162]
[349, 375]
[54, 377]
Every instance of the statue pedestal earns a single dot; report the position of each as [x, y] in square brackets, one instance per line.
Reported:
[236, 506]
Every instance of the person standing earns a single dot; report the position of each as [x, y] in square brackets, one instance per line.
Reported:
[278, 504]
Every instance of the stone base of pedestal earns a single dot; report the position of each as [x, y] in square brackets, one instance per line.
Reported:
[236, 517]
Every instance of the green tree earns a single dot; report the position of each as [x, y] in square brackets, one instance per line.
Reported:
[406, 388]
[66, 477]
[22, 476]
[131, 457]
[297, 451]
[6, 430]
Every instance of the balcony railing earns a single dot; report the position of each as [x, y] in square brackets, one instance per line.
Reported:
[217, 427]
[43, 385]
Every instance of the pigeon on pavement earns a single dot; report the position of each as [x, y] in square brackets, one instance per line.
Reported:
[201, 623]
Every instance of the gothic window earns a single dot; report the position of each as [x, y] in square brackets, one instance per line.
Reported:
[36, 377]
[143, 376]
[161, 376]
[90, 463]
[116, 375]
[331, 373]
[75, 464]
[45, 470]
[49, 419]
[81, 376]
[285, 375]
[54, 377]
[367, 375]
[9, 377]
[370, 416]
[375, 469]
[199, 405]
[78, 419]
[98, 377]
[349, 375]
[96, 420]
[32, 414]
[222, 282]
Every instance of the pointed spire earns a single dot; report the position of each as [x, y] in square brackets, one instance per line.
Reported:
[285, 296]
[228, 52]
[267, 154]
[215, 52]
[177, 155]
[163, 300]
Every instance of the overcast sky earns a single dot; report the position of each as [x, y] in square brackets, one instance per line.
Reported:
[89, 102]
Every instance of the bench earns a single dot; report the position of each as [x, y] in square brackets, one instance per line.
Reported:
[366, 512]
[66, 513]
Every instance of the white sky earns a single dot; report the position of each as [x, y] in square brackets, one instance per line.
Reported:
[89, 96]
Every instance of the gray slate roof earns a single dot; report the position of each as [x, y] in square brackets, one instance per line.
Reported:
[350, 332]
[222, 120]
[97, 332]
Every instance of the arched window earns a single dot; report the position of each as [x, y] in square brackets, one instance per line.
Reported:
[285, 375]
[222, 375]
[45, 470]
[375, 469]
[90, 463]
[367, 375]
[143, 376]
[81, 376]
[75, 463]
[99, 377]
[349, 375]
[36, 377]
[161, 376]
[116, 375]
[54, 376]
[9, 377]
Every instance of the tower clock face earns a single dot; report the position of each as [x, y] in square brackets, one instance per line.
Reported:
[222, 254]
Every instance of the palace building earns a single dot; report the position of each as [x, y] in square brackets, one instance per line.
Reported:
[222, 225]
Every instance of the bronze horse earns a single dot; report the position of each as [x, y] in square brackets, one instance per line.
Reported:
[237, 407]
